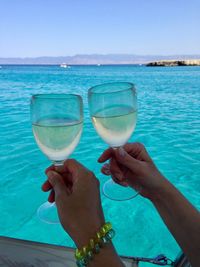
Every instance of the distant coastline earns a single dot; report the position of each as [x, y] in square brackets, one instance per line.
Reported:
[174, 63]
[96, 59]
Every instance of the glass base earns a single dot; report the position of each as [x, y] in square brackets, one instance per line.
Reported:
[117, 192]
[47, 213]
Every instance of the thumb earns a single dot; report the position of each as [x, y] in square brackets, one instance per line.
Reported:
[126, 160]
[56, 181]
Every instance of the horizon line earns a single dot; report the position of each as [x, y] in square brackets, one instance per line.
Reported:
[96, 54]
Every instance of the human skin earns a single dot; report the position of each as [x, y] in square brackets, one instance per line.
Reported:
[131, 165]
[76, 192]
[77, 196]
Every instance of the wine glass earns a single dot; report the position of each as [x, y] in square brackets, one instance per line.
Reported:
[57, 122]
[113, 108]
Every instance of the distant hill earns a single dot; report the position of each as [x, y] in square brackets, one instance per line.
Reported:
[95, 59]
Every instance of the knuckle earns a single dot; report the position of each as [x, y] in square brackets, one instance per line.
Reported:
[73, 161]
[139, 145]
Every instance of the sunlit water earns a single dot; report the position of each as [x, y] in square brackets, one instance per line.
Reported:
[168, 124]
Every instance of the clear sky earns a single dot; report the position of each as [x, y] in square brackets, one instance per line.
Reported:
[67, 27]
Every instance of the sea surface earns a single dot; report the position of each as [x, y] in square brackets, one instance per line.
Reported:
[168, 125]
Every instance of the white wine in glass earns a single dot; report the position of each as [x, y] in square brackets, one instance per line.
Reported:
[113, 108]
[57, 121]
[115, 125]
[57, 138]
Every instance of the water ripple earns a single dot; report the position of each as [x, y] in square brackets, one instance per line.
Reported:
[168, 124]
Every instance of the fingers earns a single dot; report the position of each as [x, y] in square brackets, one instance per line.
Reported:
[115, 172]
[50, 168]
[60, 178]
[72, 165]
[122, 183]
[126, 160]
[61, 169]
[122, 156]
[138, 151]
[107, 154]
[57, 182]
[46, 186]
[106, 169]
[51, 197]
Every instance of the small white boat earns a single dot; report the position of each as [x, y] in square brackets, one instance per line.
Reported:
[0, 67]
[63, 65]
[98, 65]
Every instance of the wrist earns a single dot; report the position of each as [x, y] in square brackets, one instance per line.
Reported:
[162, 191]
[100, 241]
[84, 232]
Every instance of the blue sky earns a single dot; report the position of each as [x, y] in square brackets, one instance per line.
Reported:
[67, 27]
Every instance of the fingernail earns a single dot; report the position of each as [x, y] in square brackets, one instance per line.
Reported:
[122, 152]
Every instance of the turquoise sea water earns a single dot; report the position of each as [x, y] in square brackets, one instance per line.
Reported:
[168, 124]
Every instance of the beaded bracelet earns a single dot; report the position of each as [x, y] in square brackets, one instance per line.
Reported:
[102, 237]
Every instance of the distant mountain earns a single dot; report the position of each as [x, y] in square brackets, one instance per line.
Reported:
[95, 59]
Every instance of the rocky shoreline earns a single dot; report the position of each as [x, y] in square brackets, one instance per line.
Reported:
[172, 63]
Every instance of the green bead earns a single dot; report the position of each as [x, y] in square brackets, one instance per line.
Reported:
[98, 234]
[92, 243]
[102, 237]
[108, 226]
[103, 231]
[85, 250]
[78, 254]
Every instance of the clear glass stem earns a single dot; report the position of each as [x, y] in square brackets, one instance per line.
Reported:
[47, 212]
[58, 163]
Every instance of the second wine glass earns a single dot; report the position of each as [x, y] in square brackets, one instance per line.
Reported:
[113, 108]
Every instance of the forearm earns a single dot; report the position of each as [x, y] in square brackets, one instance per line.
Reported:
[182, 219]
